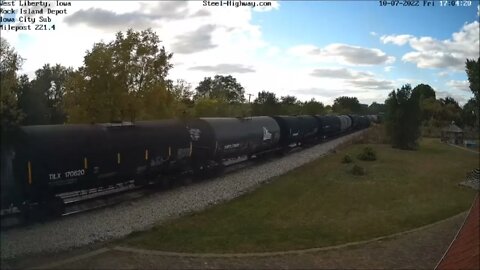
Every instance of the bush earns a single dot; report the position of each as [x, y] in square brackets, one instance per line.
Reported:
[368, 154]
[347, 159]
[357, 170]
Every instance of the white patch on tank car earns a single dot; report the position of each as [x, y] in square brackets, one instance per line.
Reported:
[157, 161]
[183, 153]
[54, 176]
[266, 134]
[194, 134]
[231, 146]
[74, 173]
[66, 175]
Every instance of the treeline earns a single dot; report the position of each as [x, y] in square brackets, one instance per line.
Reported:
[411, 111]
[127, 80]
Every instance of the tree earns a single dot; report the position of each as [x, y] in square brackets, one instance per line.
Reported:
[346, 105]
[376, 108]
[224, 88]
[450, 111]
[472, 68]
[10, 63]
[469, 112]
[182, 91]
[290, 105]
[402, 118]
[288, 100]
[313, 107]
[42, 98]
[425, 95]
[182, 94]
[266, 103]
[423, 91]
[210, 107]
[32, 103]
[122, 80]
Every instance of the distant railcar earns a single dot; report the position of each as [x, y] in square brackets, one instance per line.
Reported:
[309, 128]
[290, 130]
[345, 123]
[216, 139]
[329, 126]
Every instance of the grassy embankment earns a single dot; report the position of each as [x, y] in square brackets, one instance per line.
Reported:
[322, 204]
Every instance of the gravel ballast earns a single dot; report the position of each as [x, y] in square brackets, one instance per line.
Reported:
[120, 220]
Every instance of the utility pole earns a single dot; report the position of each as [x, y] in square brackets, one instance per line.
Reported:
[249, 96]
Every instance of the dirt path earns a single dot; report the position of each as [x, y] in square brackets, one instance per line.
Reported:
[415, 250]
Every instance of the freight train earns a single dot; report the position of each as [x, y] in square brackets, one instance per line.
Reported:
[48, 160]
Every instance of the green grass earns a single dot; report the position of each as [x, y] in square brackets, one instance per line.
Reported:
[322, 204]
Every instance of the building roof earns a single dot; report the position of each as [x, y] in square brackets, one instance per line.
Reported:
[464, 251]
[452, 128]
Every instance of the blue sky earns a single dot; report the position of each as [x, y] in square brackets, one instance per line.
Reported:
[310, 49]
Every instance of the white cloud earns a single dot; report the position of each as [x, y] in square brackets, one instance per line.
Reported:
[443, 74]
[459, 85]
[388, 68]
[432, 53]
[225, 68]
[396, 39]
[341, 73]
[347, 54]
[373, 34]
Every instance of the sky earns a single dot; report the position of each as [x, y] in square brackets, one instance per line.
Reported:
[309, 49]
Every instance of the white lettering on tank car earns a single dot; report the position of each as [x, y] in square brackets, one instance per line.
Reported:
[54, 176]
[183, 153]
[266, 134]
[230, 146]
[157, 161]
[75, 173]
[194, 134]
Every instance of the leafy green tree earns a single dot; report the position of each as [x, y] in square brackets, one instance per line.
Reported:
[209, 107]
[221, 87]
[450, 111]
[423, 91]
[121, 80]
[345, 105]
[469, 112]
[472, 68]
[403, 118]
[290, 105]
[182, 91]
[10, 63]
[313, 107]
[32, 102]
[266, 103]
[376, 108]
[42, 98]
[182, 94]
[328, 109]
[288, 100]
